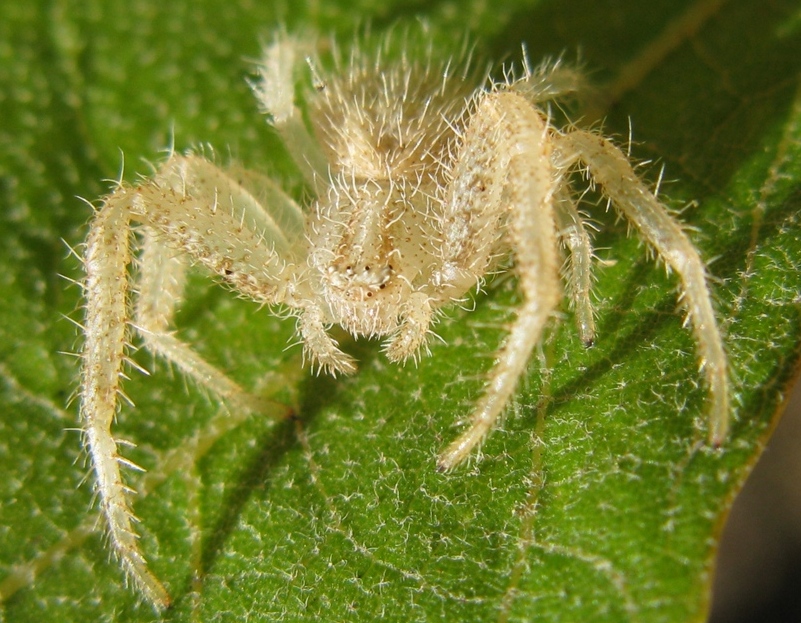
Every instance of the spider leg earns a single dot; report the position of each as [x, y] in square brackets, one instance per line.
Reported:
[506, 152]
[203, 212]
[275, 90]
[162, 267]
[160, 287]
[106, 287]
[218, 221]
[578, 268]
[610, 168]
[193, 209]
[550, 81]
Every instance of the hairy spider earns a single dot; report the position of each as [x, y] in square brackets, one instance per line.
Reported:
[423, 184]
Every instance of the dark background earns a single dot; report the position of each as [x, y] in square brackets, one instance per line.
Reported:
[759, 569]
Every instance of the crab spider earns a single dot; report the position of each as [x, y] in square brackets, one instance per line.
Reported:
[423, 183]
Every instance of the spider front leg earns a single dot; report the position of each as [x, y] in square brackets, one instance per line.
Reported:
[505, 160]
[190, 211]
[106, 289]
[610, 169]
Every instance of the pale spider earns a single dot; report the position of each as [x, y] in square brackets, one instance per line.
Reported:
[423, 185]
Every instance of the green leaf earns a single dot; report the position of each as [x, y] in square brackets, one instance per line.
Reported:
[596, 501]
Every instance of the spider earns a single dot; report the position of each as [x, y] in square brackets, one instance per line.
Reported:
[423, 184]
